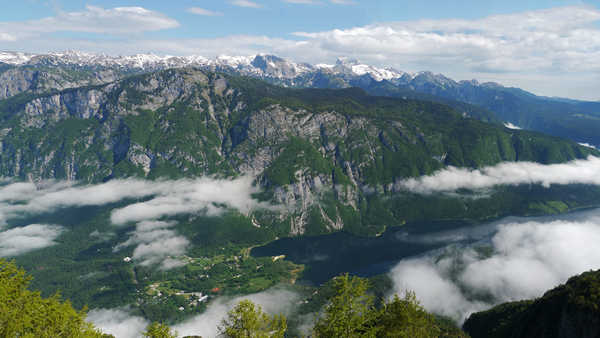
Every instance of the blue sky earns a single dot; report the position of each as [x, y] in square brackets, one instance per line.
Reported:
[279, 18]
[549, 47]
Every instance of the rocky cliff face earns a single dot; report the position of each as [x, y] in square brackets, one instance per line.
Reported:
[303, 146]
[32, 79]
[571, 310]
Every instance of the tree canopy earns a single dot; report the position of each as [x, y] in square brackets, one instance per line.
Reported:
[25, 313]
[349, 312]
[159, 330]
[247, 320]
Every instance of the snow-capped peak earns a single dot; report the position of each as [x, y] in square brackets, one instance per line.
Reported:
[15, 58]
[234, 61]
[360, 69]
[260, 64]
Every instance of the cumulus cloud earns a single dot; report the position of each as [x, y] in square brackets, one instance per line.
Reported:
[542, 39]
[515, 49]
[121, 324]
[508, 173]
[93, 19]
[20, 240]
[526, 260]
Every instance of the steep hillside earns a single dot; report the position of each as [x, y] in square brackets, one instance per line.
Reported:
[570, 310]
[332, 146]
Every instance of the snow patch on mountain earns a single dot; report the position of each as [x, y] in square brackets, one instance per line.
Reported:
[15, 58]
[260, 65]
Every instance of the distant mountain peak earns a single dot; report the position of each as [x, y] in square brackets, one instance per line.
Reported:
[259, 64]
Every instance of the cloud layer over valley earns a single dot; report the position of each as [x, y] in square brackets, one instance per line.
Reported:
[17, 241]
[508, 173]
[523, 260]
[144, 203]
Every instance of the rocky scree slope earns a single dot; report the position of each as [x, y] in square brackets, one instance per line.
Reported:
[341, 148]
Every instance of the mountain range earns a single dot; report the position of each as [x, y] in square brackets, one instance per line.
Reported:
[490, 102]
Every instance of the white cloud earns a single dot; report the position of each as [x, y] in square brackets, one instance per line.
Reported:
[158, 251]
[527, 259]
[507, 173]
[121, 324]
[169, 197]
[202, 11]
[154, 240]
[117, 21]
[343, 2]
[543, 40]
[17, 241]
[118, 322]
[246, 3]
[184, 197]
[434, 288]
[7, 37]
[205, 325]
[156, 244]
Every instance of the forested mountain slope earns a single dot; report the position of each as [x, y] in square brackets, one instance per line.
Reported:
[332, 146]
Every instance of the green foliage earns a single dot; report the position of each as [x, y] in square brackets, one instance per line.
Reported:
[350, 312]
[159, 330]
[298, 155]
[247, 320]
[24, 313]
[406, 318]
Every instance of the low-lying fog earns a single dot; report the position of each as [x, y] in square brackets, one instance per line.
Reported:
[512, 259]
[146, 203]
